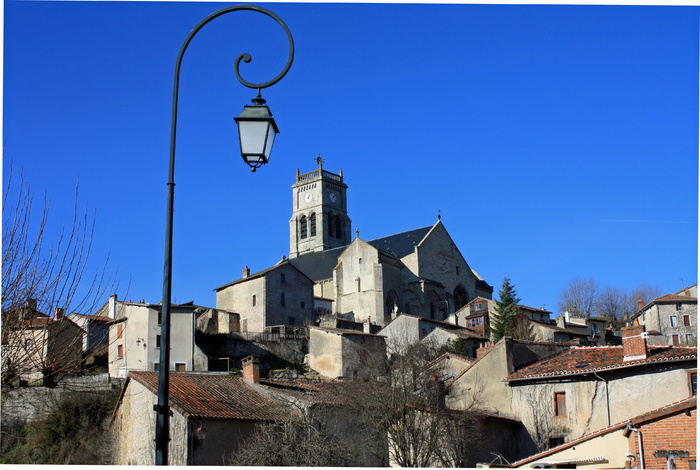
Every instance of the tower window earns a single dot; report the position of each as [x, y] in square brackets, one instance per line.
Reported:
[331, 232]
[312, 224]
[338, 227]
[302, 227]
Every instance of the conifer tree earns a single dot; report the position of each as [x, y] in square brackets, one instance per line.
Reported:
[506, 311]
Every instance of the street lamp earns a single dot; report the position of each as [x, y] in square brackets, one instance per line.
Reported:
[256, 145]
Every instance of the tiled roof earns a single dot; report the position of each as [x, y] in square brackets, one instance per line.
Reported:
[93, 317]
[214, 396]
[311, 392]
[260, 274]
[668, 298]
[584, 360]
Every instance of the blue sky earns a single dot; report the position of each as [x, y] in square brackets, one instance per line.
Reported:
[557, 141]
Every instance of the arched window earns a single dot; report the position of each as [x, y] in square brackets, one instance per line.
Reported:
[338, 227]
[302, 227]
[391, 307]
[331, 232]
[461, 298]
[312, 224]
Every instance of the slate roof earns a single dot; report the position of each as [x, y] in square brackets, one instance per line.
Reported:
[214, 396]
[584, 360]
[319, 265]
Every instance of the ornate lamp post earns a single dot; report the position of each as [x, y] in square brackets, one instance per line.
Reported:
[257, 130]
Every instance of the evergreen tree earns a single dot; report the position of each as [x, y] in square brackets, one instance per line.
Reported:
[506, 311]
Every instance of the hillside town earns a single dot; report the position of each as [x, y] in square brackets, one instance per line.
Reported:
[353, 352]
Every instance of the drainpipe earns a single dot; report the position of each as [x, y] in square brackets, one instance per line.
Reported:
[607, 396]
[639, 444]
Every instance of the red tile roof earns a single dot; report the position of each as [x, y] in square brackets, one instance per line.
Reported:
[583, 360]
[214, 396]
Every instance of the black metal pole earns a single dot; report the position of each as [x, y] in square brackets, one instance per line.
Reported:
[162, 408]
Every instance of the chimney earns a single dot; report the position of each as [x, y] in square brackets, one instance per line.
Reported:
[251, 369]
[483, 349]
[58, 313]
[112, 310]
[246, 272]
[634, 343]
[640, 304]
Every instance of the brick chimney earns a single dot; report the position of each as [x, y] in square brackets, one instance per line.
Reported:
[634, 343]
[58, 313]
[483, 349]
[640, 304]
[246, 272]
[251, 369]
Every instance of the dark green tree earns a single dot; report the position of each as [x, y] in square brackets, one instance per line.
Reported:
[506, 311]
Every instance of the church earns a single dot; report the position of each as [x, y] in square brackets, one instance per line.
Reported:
[420, 272]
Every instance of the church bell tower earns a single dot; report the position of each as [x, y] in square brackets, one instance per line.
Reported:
[319, 212]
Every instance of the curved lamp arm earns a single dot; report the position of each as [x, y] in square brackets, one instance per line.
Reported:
[162, 437]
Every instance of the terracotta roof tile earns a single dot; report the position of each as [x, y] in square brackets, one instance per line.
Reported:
[583, 360]
[214, 396]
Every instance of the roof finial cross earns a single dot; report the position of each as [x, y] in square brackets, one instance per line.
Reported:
[357, 233]
[439, 216]
[319, 162]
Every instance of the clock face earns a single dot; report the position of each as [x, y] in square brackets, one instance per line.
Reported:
[333, 197]
[308, 197]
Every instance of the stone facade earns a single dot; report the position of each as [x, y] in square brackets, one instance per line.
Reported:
[281, 295]
[671, 319]
[343, 353]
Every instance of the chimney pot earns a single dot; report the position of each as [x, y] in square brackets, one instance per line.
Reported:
[58, 313]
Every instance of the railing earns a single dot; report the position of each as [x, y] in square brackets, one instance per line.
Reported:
[275, 334]
[316, 173]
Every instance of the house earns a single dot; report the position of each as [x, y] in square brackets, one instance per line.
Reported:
[134, 337]
[661, 438]
[564, 396]
[406, 330]
[224, 406]
[335, 352]
[419, 272]
[96, 336]
[592, 328]
[214, 414]
[671, 318]
[280, 295]
[36, 346]
[465, 339]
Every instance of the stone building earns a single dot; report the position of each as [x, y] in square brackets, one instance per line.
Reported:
[335, 352]
[134, 337]
[561, 397]
[671, 318]
[419, 272]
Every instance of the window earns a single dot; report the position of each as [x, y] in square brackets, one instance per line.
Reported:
[255, 300]
[359, 284]
[156, 366]
[331, 233]
[693, 383]
[157, 341]
[688, 339]
[302, 227]
[673, 320]
[457, 270]
[120, 330]
[160, 316]
[478, 306]
[338, 227]
[28, 344]
[302, 304]
[686, 320]
[282, 278]
[120, 350]
[555, 441]
[180, 367]
[559, 403]
[283, 301]
[312, 225]
[676, 340]
[679, 307]
[432, 311]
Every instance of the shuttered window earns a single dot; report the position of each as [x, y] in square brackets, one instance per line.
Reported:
[560, 404]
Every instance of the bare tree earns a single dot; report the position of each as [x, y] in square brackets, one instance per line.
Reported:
[611, 304]
[580, 297]
[41, 276]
